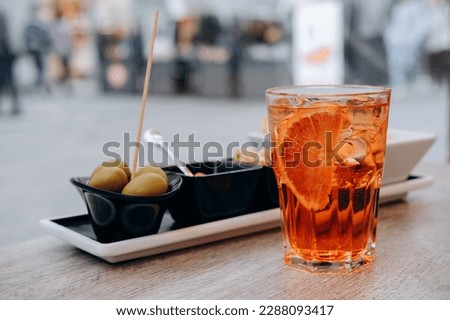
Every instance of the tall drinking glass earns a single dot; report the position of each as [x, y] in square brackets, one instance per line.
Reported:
[328, 150]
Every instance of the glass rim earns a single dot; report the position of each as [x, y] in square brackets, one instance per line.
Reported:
[290, 91]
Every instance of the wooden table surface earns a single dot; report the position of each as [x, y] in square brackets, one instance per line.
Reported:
[412, 262]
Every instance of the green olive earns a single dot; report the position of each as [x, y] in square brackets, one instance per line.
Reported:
[109, 178]
[146, 185]
[152, 169]
[114, 163]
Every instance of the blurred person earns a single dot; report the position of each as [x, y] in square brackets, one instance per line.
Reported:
[404, 36]
[184, 16]
[437, 40]
[6, 66]
[365, 52]
[61, 35]
[209, 30]
[38, 44]
[185, 60]
[237, 47]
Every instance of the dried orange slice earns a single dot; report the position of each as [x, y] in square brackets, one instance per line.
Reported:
[305, 143]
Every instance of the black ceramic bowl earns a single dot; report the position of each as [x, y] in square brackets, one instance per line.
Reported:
[226, 190]
[117, 217]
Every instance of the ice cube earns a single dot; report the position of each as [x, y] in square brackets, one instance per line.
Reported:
[360, 100]
[362, 120]
[352, 152]
[355, 149]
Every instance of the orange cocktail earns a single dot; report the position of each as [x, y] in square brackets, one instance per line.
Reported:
[328, 149]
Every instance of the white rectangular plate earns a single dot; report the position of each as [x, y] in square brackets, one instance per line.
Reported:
[76, 229]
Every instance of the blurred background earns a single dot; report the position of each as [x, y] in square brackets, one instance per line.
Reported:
[72, 74]
[225, 48]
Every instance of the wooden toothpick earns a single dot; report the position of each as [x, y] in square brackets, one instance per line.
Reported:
[145, 93]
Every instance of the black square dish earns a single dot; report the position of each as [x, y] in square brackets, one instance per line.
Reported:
[224, 189]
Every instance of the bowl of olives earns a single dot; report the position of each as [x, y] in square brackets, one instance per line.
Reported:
[121, 207]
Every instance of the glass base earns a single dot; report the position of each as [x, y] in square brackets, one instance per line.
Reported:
[316, 266]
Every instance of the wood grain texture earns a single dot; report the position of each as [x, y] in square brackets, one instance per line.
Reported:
[412, 262]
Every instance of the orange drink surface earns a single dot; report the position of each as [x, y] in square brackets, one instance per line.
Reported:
[328, 148]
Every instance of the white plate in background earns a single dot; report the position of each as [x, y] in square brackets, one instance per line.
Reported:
[403, 151]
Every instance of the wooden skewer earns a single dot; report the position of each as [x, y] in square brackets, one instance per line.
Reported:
[145, 93]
